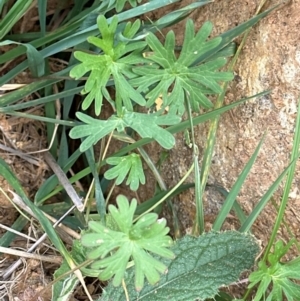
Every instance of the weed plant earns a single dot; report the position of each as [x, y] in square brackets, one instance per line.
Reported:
[126, 243]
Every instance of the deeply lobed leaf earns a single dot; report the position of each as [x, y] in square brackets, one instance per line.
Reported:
[280, 275]
[111, 63]
[131, 165]
[147, 126]
[173, 78]
[112, 249]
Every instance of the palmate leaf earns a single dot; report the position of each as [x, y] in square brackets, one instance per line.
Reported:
[111, 63]
[133, 242]
[131, 165]
[280, 275]
[93, 129]
[146, 125]
[179, 76]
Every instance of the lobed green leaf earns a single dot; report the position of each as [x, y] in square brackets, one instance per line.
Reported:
[95, 129]
[113, 249]
[172, 78]
[112, 63]
[131, 165]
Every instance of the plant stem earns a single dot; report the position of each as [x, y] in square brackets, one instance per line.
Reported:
[168, 194]
[198, 225]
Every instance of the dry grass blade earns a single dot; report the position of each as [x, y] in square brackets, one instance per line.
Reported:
[52, 259]
[18, 201]
[33, 247]
[64, 181]
[20, 154]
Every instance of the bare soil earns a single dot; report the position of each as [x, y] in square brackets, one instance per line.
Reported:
[269, 60]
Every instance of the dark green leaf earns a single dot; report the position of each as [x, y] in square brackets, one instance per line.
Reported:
[202, 264]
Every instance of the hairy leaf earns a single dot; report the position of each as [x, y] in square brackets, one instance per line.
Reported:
[202, 265]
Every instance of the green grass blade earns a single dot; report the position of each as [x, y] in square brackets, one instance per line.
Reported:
[2, 3]
[16, 95]
[41, 118]
[12, 180]
[82, 35]
[288, 184]
[236, 206]
[99, 198]
[198, 227]
[209, 147]
[262, 203]
[63, 153]
[60, 33]
[72, 39]
[42, 9]
[24, 37]
[198, 223]
[8, 237]
[39, 101]
[70, 89]
[228, 51]
[36, 62]
[14, 14]
[176, 16]
[76, 10]
[227, 206]
[50, 112]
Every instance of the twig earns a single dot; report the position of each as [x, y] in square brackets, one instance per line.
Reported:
[52, 259]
